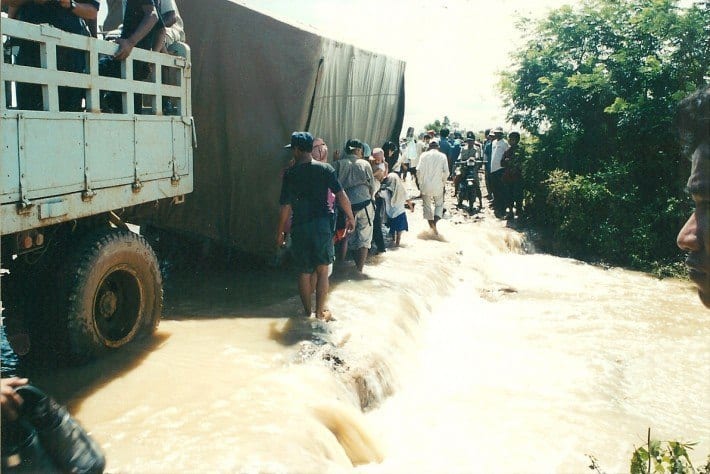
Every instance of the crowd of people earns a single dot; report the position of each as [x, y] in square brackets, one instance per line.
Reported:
[496, 157]
[348, 201]
[353, 202]
[346, 204]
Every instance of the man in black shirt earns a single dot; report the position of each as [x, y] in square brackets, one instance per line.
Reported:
[142, 28]
[304, 192]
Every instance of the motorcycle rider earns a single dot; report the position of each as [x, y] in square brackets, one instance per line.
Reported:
[472, 152]
[466, 181]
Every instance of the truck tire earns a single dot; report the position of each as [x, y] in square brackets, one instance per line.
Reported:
[115, 293]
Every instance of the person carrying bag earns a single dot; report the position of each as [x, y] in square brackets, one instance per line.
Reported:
[46, 438]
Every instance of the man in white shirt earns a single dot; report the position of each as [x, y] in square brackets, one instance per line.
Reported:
[498, 147]
[432, 172]
[174, 30]
[422, 147]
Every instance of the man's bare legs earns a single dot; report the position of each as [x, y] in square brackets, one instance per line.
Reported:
[322, 284]
[314, 280]
[360, 258]
[397, 238]
[432, 224]
[343, 250]
[305, 290]
[318, 281]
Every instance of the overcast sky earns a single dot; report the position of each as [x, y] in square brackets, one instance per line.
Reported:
[454, 49]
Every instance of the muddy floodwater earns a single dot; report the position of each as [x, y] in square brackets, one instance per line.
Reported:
[468, 353]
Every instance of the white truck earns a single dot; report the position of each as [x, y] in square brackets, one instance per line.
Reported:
[78, 279]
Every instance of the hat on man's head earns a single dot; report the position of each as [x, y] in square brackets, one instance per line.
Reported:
[470, 139]
[302, 140]
[434, 142]
[354, 143]
[498, 130]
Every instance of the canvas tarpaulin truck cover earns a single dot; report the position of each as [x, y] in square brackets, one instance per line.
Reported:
[256, 79]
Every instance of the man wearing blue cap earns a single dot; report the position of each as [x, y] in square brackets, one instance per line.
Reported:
[304, 192]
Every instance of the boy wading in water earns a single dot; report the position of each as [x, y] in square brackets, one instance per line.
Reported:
[304, 191]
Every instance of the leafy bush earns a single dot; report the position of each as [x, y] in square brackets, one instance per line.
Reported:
[659, 457]
[662, 457]
[597, 86]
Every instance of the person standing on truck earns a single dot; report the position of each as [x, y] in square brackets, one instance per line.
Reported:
[67, 15]
[114, 15]
[174, 29]
[304, 191]
[143, 28]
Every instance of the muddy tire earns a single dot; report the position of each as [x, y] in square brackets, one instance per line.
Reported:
[115, 293]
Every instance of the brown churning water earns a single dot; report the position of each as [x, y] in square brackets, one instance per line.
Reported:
[462, 354]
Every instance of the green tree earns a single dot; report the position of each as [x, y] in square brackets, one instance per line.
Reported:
[436, 125]
[597, 87]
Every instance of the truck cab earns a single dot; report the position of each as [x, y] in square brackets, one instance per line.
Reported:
[75, 187]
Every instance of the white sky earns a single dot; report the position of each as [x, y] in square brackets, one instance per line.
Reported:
[454, 49]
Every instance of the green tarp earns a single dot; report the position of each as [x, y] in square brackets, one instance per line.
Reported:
[255, 80]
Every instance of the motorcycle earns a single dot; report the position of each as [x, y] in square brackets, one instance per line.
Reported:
[467, 185]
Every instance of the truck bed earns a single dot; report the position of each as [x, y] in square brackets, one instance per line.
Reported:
[59, 166]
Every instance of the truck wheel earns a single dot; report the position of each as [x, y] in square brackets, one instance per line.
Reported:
[115, 293]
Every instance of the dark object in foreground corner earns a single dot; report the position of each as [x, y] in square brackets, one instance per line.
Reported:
[47, 439]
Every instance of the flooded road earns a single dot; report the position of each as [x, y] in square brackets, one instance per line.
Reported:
[462, 354]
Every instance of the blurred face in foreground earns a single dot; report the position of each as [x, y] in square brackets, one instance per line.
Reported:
[694, 237]
[320, 150]
[378, 155]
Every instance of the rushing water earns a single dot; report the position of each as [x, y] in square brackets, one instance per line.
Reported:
[463, 354]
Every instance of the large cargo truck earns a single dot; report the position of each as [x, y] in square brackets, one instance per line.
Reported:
[81, 281]
[78, 279]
